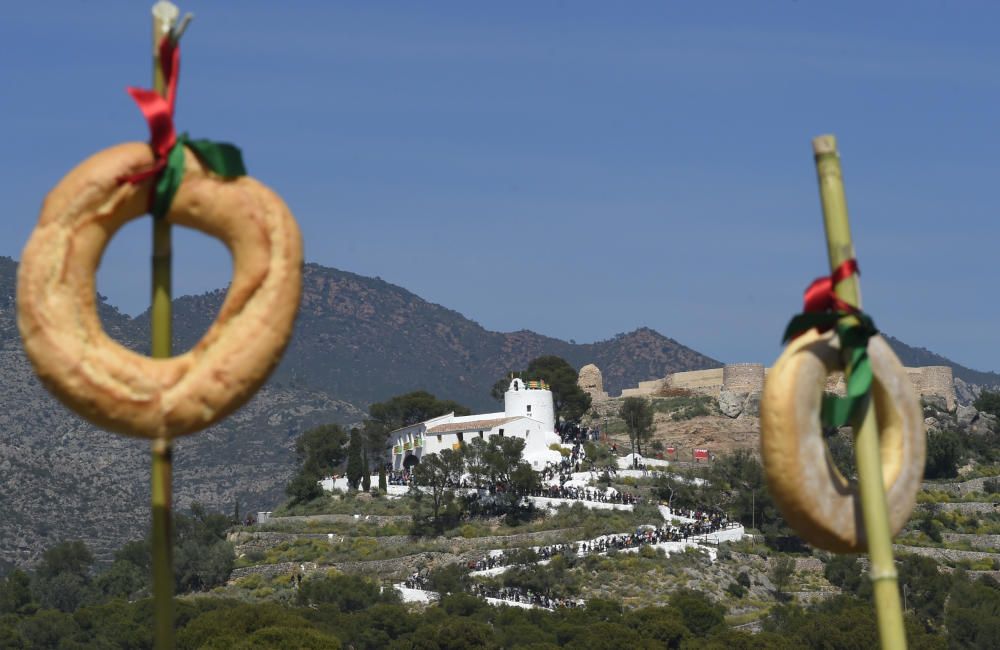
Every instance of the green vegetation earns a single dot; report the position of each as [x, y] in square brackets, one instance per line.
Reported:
[782, 569]
[988, 402]
[355, 466]
[402, 411]
[944, 453]
[411, 408]
[637, 414]
[347, 611]
[734, 484]
[437, 473]
[937, 602]
[685, 406]
[496, 461]
[319, 451]
[569, 399]
[64, 581]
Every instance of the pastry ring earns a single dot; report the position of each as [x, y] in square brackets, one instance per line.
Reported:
[116, 388]
[815, 498]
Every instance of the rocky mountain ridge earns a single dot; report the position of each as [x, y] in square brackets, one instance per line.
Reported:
[357, 340]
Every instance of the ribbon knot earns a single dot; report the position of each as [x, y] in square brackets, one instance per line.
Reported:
[168, 147]
[824, 310]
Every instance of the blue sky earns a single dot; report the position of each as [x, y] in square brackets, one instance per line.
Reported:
[575, 168]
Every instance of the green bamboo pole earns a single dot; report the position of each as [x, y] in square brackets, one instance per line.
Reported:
[164, 19]
[875, 511]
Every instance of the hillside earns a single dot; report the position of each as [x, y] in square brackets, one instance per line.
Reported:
[911, 356]
[363, 339]
[357, 340]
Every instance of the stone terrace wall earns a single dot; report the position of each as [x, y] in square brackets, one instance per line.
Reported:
[963, 488]
[945, 554]
[246, 542]
[965, 507]
[743, 377]
[984, 542]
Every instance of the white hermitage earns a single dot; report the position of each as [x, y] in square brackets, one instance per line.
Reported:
[528, 414]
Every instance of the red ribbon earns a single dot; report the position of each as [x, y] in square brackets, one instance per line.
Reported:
[159, 111]
[820, 296]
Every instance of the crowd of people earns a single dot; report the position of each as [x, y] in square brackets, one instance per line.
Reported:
[670, 533]
[416, 581]
[576, 461]
[585, 494]
[399, 477]
[524, 596]
[570, 433]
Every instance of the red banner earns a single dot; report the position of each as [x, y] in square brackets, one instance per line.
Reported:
[671, 451]
[701, 454]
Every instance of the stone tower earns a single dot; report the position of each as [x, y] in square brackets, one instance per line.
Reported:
[591, 382]
[531, 399]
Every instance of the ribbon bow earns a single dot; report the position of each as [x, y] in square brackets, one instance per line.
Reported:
[168, 148]
[824, 310]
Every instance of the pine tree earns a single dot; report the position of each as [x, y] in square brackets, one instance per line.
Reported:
[355, 467]
[383, 483]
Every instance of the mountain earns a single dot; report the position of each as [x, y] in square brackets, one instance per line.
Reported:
[911, 356]
[357, 340]
[363, 339]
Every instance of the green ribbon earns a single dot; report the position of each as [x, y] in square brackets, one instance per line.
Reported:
[839, 411]
[222, 158]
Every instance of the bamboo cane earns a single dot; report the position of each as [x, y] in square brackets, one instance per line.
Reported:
[874, 508]
[164, 18]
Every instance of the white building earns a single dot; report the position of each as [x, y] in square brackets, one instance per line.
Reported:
[528, 414]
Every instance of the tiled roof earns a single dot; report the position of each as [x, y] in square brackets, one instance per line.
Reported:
[474, 425]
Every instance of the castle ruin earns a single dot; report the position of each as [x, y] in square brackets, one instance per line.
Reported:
[748, 378]
[591, 381]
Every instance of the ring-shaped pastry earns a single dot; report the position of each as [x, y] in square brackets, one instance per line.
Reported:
[116, 388]
[816, 499]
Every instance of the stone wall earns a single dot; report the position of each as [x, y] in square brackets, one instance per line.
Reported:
[961, 489]
[946, 554]
[984, 542]
[708, 382]
[459, 550]
[746, 378]
[394, 569]
[743, 377]
[295, 521]
[935, 381]
[645, 388]
[245, 542]
[970, 507]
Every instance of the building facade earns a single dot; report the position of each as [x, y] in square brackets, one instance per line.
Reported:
[529, 414]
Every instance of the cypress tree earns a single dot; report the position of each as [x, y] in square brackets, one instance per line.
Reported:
[366, 475]
[383, 484]
[355, 468]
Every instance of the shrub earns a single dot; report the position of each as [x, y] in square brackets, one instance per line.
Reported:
[698, 613]
[346, 592]
[252, 581]
[944, 453]
[736, 590]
